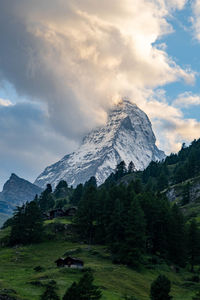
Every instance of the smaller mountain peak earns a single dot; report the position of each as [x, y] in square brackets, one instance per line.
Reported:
[13, 176]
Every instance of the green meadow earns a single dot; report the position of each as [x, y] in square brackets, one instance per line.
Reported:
[18, 277]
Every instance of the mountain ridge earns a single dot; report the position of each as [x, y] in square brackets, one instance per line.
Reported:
[127, 136]
[16, 191]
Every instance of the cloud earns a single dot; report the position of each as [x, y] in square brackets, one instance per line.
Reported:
[187, 99]
[195, 19]
[28, 142]
[169, 124]
[5, 102]
[75, 58]
[76, 55]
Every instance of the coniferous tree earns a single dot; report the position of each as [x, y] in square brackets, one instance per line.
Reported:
[197, 296]
[83, 290]
[72, 292]
[160, 289]
[50, 292]
[115, 232]
[162, 181]
[177, 237]
[61, 190]
[120, 170]
[137, 186]
[46, 200]
[193, 244]
[131, 167]
[27, 225]
[91, 182]
[77, 194]
[157, 215]
[86, 214]
[17, 226]
[135, 239]
[102, 217]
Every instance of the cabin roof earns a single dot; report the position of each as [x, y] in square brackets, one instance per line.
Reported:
[75, 259]
[69, 258]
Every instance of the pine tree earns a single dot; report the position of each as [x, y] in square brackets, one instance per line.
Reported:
[91, 182]
[193, 244]
[86, 215]
[160, 289]
[197, 296]
[137, 186]
[177, 237]
[46, 200]
[157, 215]
[61, 189]
[83, 290]
[162, 181]
[50, 292]
[131, 167]
[17, 226]
[135, 239]
[77, 194]
[120, 170]
[72, 292]
[27, 225]
[115, 231]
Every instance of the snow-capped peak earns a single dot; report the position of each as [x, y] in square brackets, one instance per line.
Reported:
[126, 136]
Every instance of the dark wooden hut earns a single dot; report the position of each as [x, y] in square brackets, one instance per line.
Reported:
[71, 211]
[55, 213]
[60, 262]
[70, 262]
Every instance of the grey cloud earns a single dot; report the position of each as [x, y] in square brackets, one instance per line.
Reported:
[75, 57]
[28, 142]
[22, 62]
[77, 54]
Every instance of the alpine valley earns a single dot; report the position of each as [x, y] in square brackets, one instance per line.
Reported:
[132, 234]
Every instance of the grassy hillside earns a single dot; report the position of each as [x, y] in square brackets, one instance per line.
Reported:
[178, 177]
[17, 271]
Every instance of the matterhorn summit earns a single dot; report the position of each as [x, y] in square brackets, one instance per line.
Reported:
[127, 136]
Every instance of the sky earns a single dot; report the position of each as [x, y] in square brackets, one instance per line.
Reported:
[64, 64]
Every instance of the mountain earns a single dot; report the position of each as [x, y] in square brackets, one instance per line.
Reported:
[16, 191]
[127, 136]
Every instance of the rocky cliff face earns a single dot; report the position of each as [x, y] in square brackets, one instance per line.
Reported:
[175, 193]
[127, 136]
[16, 191]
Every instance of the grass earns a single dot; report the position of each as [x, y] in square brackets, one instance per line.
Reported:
[63, 220]
[17, 272]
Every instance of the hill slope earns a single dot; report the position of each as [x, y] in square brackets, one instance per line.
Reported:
[114, 280]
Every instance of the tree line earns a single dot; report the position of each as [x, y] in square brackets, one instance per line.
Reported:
[134, 223]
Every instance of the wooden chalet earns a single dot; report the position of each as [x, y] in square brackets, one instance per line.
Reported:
[71, 211]
[55, 213]
[70, 262]
[58, 212]
[60, 262]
